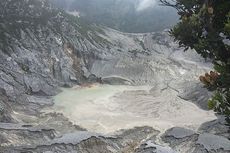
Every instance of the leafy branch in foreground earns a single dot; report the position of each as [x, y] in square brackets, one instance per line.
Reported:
[205, 26]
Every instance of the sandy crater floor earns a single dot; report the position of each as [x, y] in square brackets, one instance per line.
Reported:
[108, 108]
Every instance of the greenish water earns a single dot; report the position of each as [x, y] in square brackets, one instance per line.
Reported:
[97, 93]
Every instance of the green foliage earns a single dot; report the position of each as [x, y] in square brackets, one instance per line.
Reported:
[227, 25]
[24, 67]
[205, 26]
[220, 103]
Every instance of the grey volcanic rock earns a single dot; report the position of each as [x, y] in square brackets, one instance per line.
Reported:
[159, 61]
[74, 138]
[216, 127]
[5, 109]
[179, 133]
[42, 49]
[150, 147]
[203, 141]
[113, 80]
[83, 141]
[196, 93]
[180, 139]
[213, 142]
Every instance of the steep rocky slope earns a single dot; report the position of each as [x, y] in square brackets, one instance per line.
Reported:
[42, 48]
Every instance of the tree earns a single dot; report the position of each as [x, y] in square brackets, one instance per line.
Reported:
[205, 26]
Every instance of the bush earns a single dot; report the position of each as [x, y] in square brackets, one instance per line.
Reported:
[205, 26]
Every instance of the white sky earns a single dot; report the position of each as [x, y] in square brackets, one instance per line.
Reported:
[145, 4]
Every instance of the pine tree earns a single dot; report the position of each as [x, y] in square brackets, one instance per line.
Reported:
[205, 26]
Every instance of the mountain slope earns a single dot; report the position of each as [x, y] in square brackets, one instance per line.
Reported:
[41, 48]
[123, 15]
